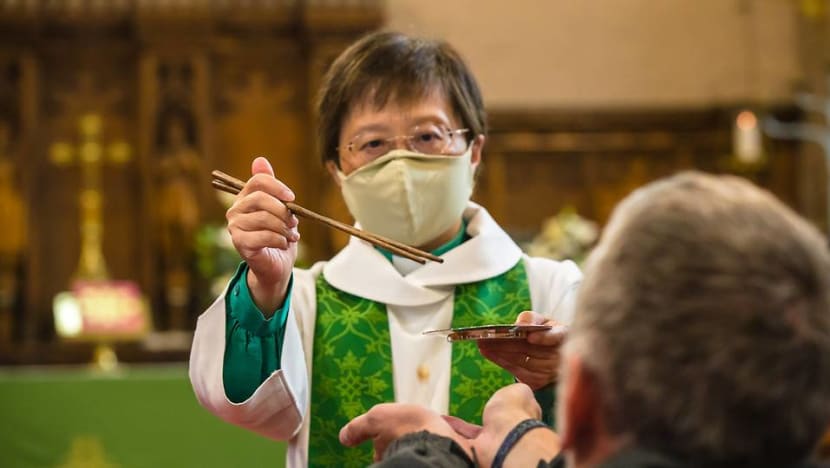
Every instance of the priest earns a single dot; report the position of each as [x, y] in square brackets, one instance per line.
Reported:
[295, 354]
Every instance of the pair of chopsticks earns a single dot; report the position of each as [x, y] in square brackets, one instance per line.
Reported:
[232, 185]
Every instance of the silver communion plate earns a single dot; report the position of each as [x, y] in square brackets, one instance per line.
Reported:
[487, 332]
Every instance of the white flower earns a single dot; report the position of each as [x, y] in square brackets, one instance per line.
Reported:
[564, 236]
[223, 238]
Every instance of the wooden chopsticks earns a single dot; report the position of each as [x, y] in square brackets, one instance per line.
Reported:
[232, 185]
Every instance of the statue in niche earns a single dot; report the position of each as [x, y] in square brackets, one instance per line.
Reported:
[180, 178]
[175, 83]
[13, 238]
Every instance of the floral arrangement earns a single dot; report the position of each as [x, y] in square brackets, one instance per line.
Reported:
[216, 258]
[564, 236]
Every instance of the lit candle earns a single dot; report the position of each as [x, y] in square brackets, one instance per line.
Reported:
[746, 138]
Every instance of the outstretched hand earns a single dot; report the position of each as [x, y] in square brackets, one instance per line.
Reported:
[388, 421]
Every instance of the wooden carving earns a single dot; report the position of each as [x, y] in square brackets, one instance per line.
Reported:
[13, 211]
[187, 87]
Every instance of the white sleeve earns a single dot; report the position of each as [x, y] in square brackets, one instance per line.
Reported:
[277, 407]
[553, 287]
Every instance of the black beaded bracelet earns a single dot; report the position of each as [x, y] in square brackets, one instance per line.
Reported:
[512, 437]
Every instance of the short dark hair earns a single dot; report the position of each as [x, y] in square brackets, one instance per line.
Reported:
[705, 315]
[390, 65]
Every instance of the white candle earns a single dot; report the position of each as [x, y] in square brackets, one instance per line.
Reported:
[746, 138]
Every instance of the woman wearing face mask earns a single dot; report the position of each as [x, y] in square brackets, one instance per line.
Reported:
[295, 354]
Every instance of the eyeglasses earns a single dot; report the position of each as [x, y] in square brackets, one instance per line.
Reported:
[424, 139]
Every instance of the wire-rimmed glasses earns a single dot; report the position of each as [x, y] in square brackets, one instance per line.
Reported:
[424, 139]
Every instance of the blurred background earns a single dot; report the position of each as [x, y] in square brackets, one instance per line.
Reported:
[113, 113]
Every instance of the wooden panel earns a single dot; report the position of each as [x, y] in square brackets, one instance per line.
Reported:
[98, 79]
[538, 162]
[261, 110]
[233, 81]
[13, 206]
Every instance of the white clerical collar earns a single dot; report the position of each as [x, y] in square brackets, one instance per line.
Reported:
[361, 270]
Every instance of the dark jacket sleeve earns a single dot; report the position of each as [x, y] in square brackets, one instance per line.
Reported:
[424, 449]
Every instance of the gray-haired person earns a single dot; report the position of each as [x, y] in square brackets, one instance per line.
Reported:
[701, 338]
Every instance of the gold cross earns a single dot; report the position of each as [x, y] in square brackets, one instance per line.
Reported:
[90, 154]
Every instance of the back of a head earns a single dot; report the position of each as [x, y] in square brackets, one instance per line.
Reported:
[705, 314]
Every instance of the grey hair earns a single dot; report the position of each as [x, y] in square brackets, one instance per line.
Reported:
[705, 317]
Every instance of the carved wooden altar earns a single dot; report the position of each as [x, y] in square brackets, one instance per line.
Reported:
[188, 86]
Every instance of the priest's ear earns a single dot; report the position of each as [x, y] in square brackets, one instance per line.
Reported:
[477, 150]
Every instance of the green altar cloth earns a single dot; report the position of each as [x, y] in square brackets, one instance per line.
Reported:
[136, 417]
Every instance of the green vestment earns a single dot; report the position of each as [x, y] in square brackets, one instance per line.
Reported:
[352, 359]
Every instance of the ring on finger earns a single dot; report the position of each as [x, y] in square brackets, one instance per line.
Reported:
[527, 358]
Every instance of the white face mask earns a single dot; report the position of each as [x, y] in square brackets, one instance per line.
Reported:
[409, 197]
